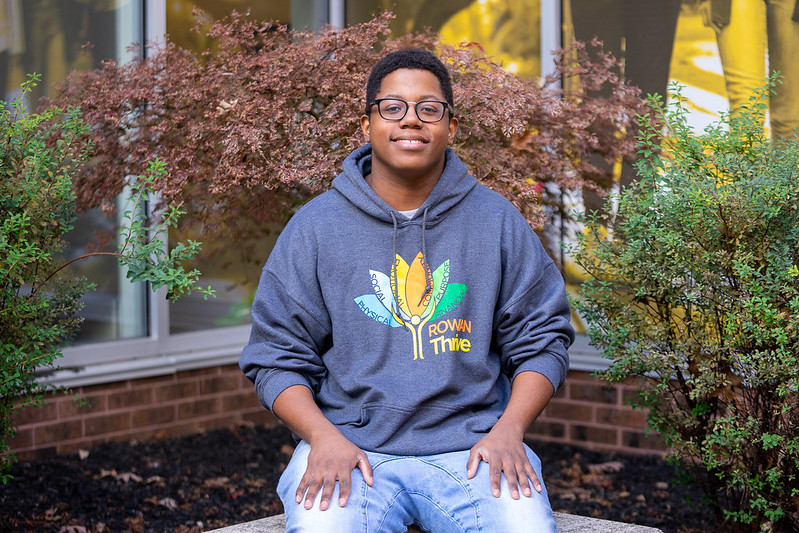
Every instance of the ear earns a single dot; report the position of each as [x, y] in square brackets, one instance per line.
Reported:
[453, 129]
[365, 126]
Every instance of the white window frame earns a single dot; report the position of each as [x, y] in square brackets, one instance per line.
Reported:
[162, 353]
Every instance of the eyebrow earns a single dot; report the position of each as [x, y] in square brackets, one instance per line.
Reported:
[421, 98]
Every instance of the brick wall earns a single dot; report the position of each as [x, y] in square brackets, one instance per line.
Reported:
[166, 406]
[585, 412]
[591, 413]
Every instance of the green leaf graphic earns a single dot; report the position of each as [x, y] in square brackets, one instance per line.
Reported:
[451, 299]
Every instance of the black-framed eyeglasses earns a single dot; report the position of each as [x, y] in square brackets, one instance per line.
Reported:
[394, 109]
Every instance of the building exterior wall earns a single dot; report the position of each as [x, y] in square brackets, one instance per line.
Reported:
[585, 412]
[161, 407]
[200, 386]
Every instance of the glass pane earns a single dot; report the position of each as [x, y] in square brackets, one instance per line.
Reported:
[508, 30]
[52, 38]
[224, 267]
[718, 56]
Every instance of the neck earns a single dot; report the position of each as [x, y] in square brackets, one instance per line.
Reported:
[403, 193]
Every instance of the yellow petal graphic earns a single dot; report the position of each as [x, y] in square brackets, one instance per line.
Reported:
[399, 277]
[416, 286]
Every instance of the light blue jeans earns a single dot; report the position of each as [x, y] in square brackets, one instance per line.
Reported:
[431, 491]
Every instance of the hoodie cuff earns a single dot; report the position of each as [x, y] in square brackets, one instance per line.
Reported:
[552, 366]
[276, 382]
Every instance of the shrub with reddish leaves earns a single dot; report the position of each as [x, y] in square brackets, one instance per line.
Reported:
[262, 120]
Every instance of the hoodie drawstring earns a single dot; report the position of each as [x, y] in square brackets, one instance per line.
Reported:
[428, 275]
[394, 290]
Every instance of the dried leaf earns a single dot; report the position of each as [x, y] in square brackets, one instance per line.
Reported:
[216, 483]
[606, 468]
[169, 503]
[127, 477]
[73, 529]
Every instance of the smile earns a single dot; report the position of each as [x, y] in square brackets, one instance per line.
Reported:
[409, 141]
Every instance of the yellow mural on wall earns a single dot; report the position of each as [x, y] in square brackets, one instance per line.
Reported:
[508, 30]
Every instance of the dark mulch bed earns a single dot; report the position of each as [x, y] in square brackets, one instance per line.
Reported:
[223, 477]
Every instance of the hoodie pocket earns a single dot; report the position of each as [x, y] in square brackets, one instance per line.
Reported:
[424, 430]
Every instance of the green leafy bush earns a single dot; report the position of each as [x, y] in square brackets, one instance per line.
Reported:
[693, 290]
[40, 154]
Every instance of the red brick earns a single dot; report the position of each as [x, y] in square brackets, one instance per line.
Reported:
[215, 423]
[621, 416]
[588, 392]
[240, 401]
[176, 391]
[629, 395]
[73, 447]
[245, 382]
[170, 431]
[56, 432]
[151, 416]
[219, 384]
[113, 423]
[563, 410]
[22, 439]
[638, 439]
[263, 417]
[37, 454]
[599, 435]
[542, 428]
[69, 407]
[34, 415]
[129, 398]
[582, 376]
[198, 408]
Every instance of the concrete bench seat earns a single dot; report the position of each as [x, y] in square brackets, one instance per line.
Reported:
[566, 524]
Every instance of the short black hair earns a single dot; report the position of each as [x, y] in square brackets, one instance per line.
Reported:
[411, 59]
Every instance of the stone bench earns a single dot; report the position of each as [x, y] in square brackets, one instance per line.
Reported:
[566, 524]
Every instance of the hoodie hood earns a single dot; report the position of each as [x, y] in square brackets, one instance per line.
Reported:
[452, 187]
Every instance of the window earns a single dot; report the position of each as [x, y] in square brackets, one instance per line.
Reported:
[48, 37]
[132, 333]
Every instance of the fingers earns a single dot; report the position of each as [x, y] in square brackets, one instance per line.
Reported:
[323, 482]
[533, 477]
[365, 468]
[345, 481]
[472, 463]
[310, 486]
[519, 473]
[495, 473]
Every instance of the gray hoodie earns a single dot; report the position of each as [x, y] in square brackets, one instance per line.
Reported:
[408, 332]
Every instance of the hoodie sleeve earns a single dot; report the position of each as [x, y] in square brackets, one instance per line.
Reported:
[290, 329]
[533, 328]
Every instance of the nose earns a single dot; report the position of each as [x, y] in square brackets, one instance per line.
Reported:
[411, 118]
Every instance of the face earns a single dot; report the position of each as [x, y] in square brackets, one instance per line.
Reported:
[409, 149]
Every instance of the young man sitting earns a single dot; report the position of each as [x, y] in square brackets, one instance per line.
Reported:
[408, 328]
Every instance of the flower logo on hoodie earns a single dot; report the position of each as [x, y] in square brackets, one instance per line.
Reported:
[411, 297]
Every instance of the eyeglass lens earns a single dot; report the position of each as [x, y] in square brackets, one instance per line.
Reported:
[426, 110]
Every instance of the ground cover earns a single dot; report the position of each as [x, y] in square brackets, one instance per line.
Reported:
[218, 478]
